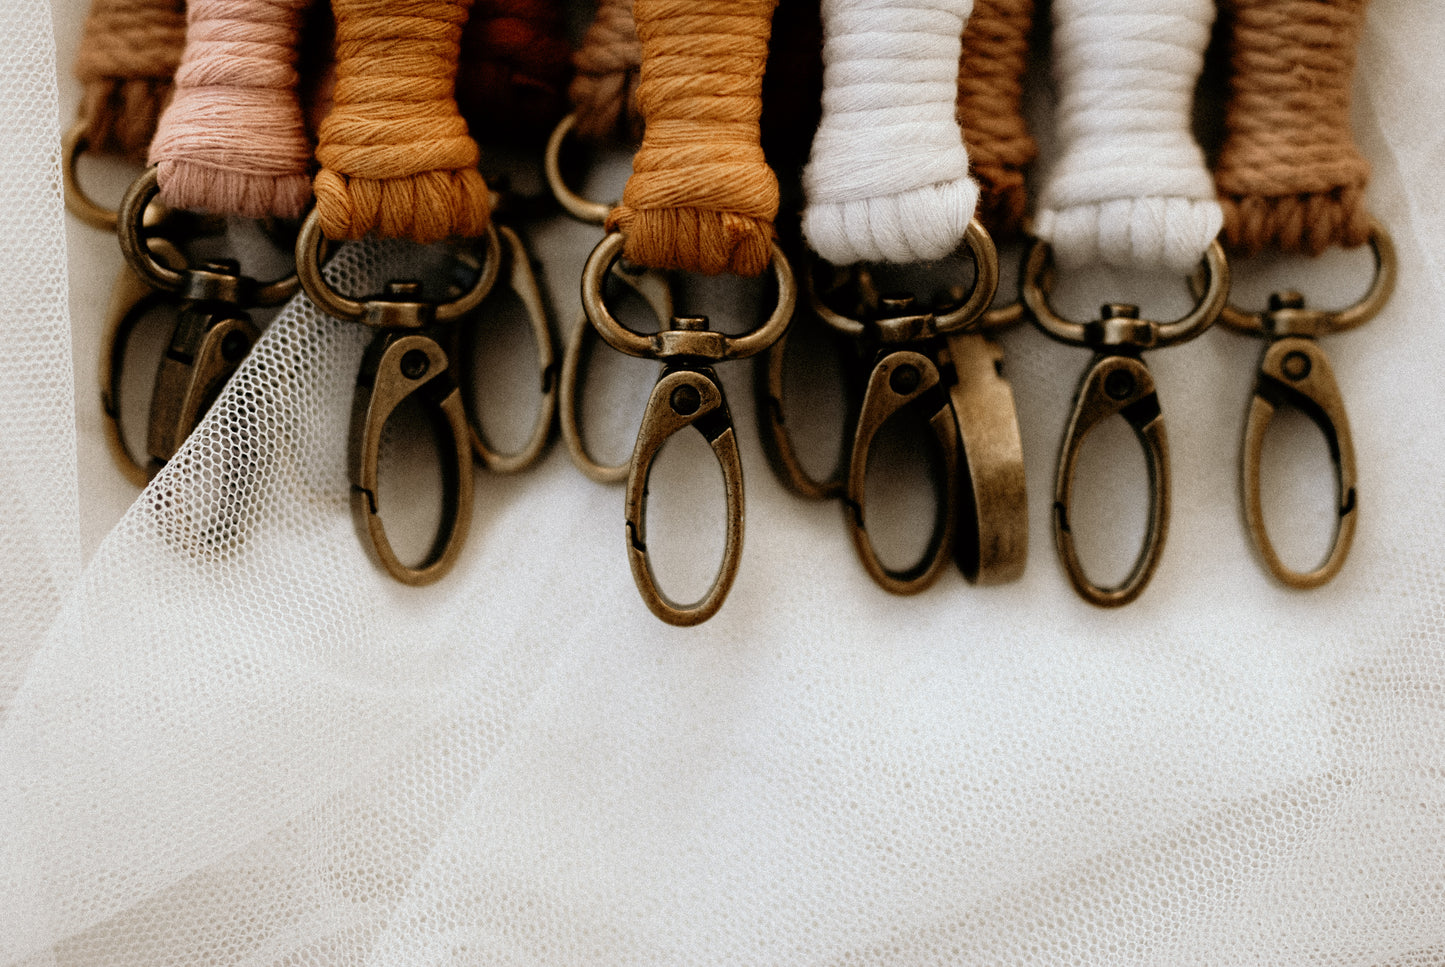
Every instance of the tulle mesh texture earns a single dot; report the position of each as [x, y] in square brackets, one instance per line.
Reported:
[240, 744]
[39, 540]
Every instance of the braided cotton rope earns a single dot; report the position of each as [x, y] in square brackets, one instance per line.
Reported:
[604, 89]
[990, 109]
[1131, 187]
[701, 197]
[129, 50]
[888, 177]
[513, 69]
[397, 159]
[1289, 173]
[233, 140]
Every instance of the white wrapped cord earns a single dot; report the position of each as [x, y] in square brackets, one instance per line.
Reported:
[1130, 187]
[888, 177]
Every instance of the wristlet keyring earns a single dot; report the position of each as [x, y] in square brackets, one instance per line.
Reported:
[1292, 180]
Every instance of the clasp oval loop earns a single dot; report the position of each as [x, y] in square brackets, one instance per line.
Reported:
[904, 379]
[385, 313]
[1284, 319]
[190, 283]
[1123, 329]
[523, 282]
[582, 209]
[652, 286]
[667, 344]
[399, 365]
[1115, 385]
[685, 395]
[1294, 371]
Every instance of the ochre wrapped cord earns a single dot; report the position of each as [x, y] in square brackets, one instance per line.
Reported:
[1289, 174]
[515, 63]
[233, 140]
[129, 50]
[701, 197]
[397, 159]
[604, 88]
[990, 110]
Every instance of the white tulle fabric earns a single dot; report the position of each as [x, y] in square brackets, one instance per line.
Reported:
[888, 180]
[229, 741]
[1129, 187]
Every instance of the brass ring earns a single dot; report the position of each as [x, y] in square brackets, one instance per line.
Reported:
[1038, 281]
[634, 343]
[130, 226]
[310, 248]
[1382, 286]
[583, 209]
[963, 318]
[77, 202]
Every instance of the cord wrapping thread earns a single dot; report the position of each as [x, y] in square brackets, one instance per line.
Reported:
[604, 88]
[990, 110]
[233, 140]
[701, 197]
[129, 51]
[1130, 187]
[397, 158]
[888, 176]
[1289, 173]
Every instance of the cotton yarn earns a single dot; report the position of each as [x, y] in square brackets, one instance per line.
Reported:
[128, 53]
[701, 197]
[604, 88]
[1289, 174]
[397, 158]
[1130, 187]
[513, 69]
[888, 177]
[233, 140]
[990, 109]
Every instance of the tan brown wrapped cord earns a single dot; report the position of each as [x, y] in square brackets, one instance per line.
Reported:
[604, 88]
[1289, 174]
[990, 109]
[129, 50]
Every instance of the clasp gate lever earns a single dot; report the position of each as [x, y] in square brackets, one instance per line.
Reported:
[1118, 383]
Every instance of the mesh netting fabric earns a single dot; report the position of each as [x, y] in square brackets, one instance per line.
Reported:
[240, 744]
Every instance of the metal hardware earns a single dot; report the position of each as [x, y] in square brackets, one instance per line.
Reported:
[400, 364]
[157, 218]
[676, 343]
[904, 379]
[582, 209]
[385, 313]
[523, 282]
[1118, 382]
[942, 367]
[686, 395]
[654, 289]
[195, 284]
[1115, 385]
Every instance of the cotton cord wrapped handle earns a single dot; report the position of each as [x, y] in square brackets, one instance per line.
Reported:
[1130, 187]
[701, 197]
[888, 177]
[233, 140]
[514, 66]
[604, 87]
[1289, 174]
[990, 110]
[397, 159]
[129, 51]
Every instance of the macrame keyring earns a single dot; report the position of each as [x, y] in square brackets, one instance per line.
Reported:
[1291, 179]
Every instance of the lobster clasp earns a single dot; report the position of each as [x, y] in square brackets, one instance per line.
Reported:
[211, 338]
[399, 365]
[1115, 385]
[905, 379]
[1294, 371]
[685, 395]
